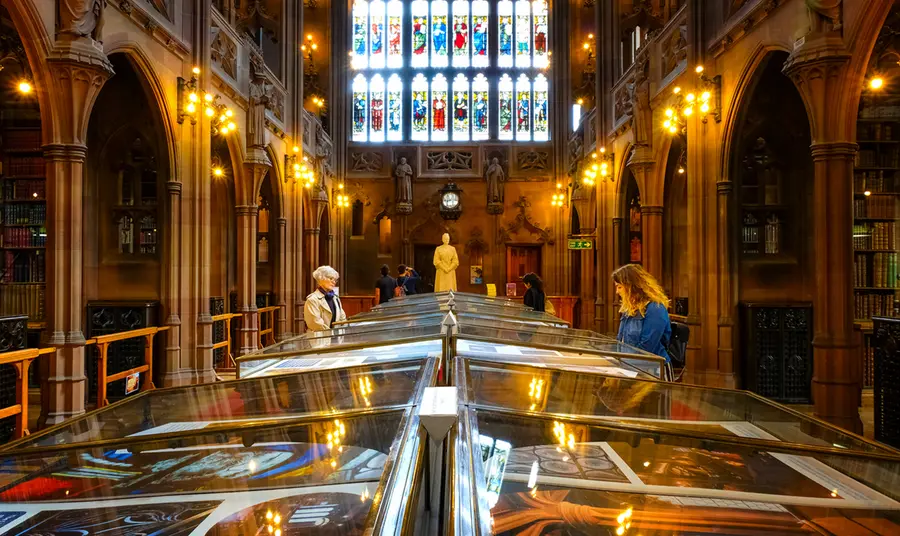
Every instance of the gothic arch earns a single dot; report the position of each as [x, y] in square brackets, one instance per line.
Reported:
[276, 179]
[37, 44]
[743, 90]
[153, 86]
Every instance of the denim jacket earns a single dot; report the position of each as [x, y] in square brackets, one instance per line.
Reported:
[651, 332]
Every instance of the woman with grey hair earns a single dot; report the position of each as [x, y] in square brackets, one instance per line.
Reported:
[323, 307]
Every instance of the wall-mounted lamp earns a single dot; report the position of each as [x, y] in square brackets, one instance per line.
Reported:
[296, 167]
[188, 97]
[309, 47]
[341, 200]
[598, 167]
[559, 198]
[703, 102]
[588, 47]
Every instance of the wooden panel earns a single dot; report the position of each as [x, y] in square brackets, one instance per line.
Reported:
[519, 261]
[354, 305]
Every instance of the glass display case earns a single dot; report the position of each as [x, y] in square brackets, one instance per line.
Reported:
[451, 423]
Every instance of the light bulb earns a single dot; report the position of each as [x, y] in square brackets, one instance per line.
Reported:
[699, 69]
[580, 102]
[210, 112]
[677, 90]
[590, 36]
[190, 108]
[691, 97]
[297, 175]
[193, 97]
[208, 97]
[232, 126]
[24, 87]
[704, 107]
[867, 193]
[667, 124]
[705, 96]
[603, 149]
[681, 170]
[196, 70]
[296, 167]
[296, 149]
[222, 118]
[670, 112]
[218, 172]
[876, 83]
[341, 186]
[688, 111]
[672, 129]
[586, 46]
[229, 113]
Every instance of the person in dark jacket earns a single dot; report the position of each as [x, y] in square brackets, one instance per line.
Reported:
[407, 278]
[534, 293]
[384, 286]
[645, 321]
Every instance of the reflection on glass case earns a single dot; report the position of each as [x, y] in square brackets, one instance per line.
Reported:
[448, 414]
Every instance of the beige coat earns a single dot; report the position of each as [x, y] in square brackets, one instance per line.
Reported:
[446, 261]
[317, 314]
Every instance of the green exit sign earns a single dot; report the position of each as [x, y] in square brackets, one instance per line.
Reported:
[581, 244]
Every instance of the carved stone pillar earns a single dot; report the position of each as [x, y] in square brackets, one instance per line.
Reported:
[78, 72]
[651, 225]
[246, 285]
[724, 239]
[173, 373]
[612, 317]
[311, 256]
[819, 69]
[281, 283]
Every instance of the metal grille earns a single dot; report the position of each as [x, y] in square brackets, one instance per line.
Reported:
[779, 344]
[217, 307]
[112, 317]
[13, 336]
[887, 380]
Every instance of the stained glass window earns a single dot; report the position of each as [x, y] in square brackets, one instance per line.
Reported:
[461, 108]
[395, 109]
[506, 108]
[438, 33]
[360, 99]
[420, 108]
[480, 108]
[434, 56]
[376, 108]
[439, 108]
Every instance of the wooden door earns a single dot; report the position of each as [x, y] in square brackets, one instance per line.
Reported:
[424, 265]
[519, 261]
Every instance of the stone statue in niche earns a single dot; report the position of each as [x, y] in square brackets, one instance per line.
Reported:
[640, 103]
[495, 177]
[403, 173]
[81, 18]
[824, 16]
[446, 261]
[260, 91]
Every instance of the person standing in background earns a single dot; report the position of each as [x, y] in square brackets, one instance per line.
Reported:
[407, 278]
[645, 321]
[534, 293]
[323, 307]
[384, 286]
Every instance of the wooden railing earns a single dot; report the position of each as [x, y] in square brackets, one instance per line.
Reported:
[103, 342]
[21, 360]
[227, 344]
[266, 337]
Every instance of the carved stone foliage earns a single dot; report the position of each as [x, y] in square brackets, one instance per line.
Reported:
[825, 15]
[366, 161]
[523, 221]
[533, 160]
[476, 242]
[675, 50]
[576, 147]
[623, 107]
[223, 52]
[449, 160]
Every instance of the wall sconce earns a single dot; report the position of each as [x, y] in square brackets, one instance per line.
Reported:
[600, 165]
[588, 47]
[296, 167]
[188, 97]
[704, 101]
[341, 200]
[221, 115]
[559, 198]
[308, 47]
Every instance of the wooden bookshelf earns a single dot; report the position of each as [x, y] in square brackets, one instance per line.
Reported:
[23, 218]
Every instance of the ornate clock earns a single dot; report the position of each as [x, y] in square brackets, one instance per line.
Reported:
[451, 202]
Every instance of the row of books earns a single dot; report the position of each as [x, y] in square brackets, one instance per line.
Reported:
[884, 206]
[22, 139]
[23, 214]
[875, 132]
[875, 182]
[878, 270]
[24, 190]
[23, 300]
[869, 305]
[24, 237]
[868, 158]
[875, 235]
[18, 268]
[25, 166]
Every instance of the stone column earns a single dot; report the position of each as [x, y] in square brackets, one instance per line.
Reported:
[819, 69]
[78, 71]
[173, 373]
[246, 284]
[652, 227]
[311, 256]
[725, 347]
[281, 283]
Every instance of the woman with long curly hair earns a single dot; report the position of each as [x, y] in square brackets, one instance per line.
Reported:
[645, 321]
